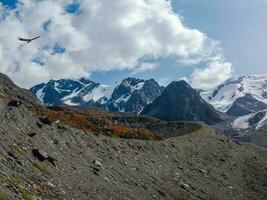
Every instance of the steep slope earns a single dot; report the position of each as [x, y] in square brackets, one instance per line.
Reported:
[8, 90]
[179, 101]
[246, 105]
[57, 156]
[239, 95]
[129, 96]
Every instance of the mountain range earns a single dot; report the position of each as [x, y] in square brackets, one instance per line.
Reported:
[236, 96]
[131, 95]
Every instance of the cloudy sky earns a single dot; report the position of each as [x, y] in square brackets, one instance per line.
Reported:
[204, 42]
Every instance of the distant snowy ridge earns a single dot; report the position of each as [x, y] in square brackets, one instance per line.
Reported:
[131, 95]
[224, 96]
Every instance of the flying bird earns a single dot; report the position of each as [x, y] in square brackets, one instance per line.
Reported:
[28, 40]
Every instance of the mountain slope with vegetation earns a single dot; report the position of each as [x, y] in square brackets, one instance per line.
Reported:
[69, 153]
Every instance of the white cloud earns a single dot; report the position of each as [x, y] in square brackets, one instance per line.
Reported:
[211, 76]
[105, 35]
[164, 81]
[144, 67]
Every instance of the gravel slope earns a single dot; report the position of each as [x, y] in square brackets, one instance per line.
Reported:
[200, 165]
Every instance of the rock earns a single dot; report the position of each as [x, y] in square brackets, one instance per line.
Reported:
[51, 184]
[45, 120]
[32, 134]
[56, 141]
[97, 162]
[230, 187]
[14, 103]
[95, 170]
[42, 156]
[185, 186]
[202, 171]
[51, 160]
[106, 179]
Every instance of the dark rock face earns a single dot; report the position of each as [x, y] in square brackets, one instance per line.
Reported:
[132, 95]
[181, 102]
[246, 105]
[256, 118]
[122, 93]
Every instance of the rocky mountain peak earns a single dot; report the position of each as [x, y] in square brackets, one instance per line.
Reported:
[179, 101]
[131, 95]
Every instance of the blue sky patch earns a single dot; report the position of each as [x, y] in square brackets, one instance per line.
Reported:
[46, 25]
[58, 49]
[38, 61]
[73, 8]
[9, 3]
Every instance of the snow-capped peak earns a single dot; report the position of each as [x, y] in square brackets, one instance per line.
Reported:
[225, 94]
[127, 96]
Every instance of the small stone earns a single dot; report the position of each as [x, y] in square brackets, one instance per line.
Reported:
[51, 184]
[185, 186]
[106, 179]
[97, 162]
[230, 187]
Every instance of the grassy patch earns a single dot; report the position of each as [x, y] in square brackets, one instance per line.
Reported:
[40, 168]
[2, 96]
[95, 121]
[24, 193]
[3, 196]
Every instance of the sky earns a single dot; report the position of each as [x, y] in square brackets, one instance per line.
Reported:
[202, 41]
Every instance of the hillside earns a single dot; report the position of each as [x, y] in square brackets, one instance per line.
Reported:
[72, 153]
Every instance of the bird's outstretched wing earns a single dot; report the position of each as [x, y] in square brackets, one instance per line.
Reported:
[35, 38]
